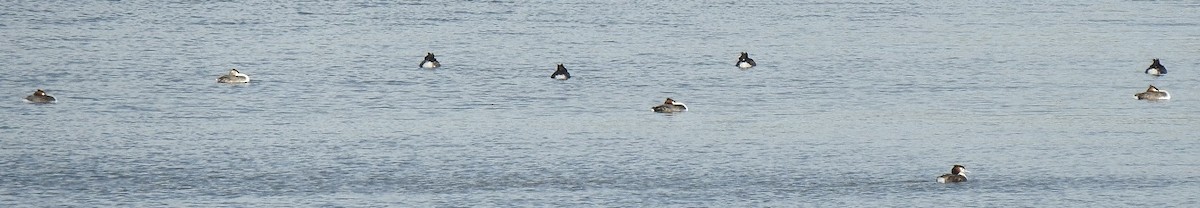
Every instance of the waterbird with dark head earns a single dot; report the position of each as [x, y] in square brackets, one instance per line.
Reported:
[1152, 93]
[40, 96]
[744, 61]
[1156, 69]
[561, 73]
[430, 62]
[670, 106]
[958, 173]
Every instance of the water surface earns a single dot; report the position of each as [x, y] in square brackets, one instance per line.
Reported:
[853, 103]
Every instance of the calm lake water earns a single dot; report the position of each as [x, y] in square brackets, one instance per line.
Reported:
[854, 103]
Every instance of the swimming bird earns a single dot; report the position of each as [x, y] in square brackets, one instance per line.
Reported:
[40, 96]
[234, 77]
[430, 62]
[1156, 69]
[561, 73]
[958, 173]
[670, 106]
[1152, 93]
[745, 62]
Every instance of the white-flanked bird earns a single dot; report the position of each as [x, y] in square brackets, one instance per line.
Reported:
[234, 77]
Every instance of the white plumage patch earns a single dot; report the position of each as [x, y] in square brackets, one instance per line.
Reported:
[744, 65]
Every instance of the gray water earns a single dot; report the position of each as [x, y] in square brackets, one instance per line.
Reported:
[854, 103]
